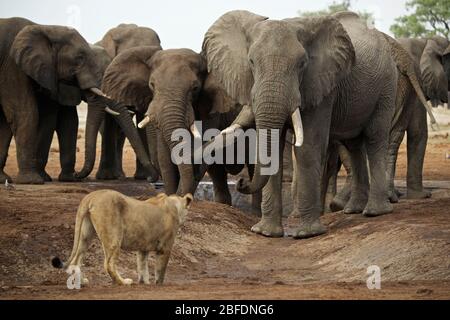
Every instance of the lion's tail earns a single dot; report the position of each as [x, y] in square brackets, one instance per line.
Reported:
[83, 210]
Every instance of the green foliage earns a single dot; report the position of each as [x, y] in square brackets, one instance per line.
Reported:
[344, 5]
[427, 18]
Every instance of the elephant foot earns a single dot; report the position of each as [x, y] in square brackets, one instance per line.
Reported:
[393, 197]
[268, 228]
[222, 198]
[377, 208]
[107, 174]
[355, 205]
[337, 204]
[4, 177]
[45, 176]
[414, 194]
[68, 177]
[29, 178]
[309, 230]
[141, 174]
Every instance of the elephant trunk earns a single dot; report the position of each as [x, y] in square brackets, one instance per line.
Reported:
[169, 122]
[268, 117]
[95, 116]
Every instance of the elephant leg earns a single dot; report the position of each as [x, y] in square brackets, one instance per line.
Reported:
[169, 172]
[48, 116]
[67, 131]
[107, 169]
[219, 175]
[343, 196]
[376, 141]
[396, 138]
[256, 197]
[141, 173]
[270, 224]
[25, 131]
[5, 140]
[329, 179]
[119, 153]
[416, 145]
[359, 182]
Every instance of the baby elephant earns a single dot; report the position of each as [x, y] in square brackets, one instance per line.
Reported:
[125, 223]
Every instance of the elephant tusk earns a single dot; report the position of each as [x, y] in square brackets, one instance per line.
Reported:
[144, 122]
[231, 129]
[195, 132]
[298, 127]
[99, 92]
[112, 112]
[131, 112]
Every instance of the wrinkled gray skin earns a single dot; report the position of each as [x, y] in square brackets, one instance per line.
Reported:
[429, 61]
[115, 41]
[323, 66]
[45, 71]
[172, 88]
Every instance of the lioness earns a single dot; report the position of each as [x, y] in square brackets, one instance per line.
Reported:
[125, 223]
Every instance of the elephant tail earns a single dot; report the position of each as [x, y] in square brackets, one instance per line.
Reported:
[406, 66]
[83, 210]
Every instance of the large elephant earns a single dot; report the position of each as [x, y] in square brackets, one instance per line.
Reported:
[172, 89]
[115, 41]
[45, 72]
[425, 58]
[330, 75]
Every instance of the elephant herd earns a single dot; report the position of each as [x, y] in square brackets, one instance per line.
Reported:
[347, 92]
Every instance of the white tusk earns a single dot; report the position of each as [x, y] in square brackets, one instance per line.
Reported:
[99, 92]
[298, 127]
[144, 122]
[195, 132]
[131, 112]
[445, 106]
[231, 129]
[112, 112]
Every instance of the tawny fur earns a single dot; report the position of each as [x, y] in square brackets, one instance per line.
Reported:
[125, 223]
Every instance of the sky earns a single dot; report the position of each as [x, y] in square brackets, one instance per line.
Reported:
[179, 24]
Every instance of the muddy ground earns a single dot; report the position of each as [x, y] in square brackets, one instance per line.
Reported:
[216, 256]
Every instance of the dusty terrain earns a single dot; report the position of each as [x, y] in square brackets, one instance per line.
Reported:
[216, 256]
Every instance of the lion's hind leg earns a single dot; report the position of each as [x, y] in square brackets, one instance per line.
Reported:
[112, 251]
[87, 232]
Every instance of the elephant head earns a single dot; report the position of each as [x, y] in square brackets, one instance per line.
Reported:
[127, 36]
[279, 68]
[165, 85]
[54, 56]
[434, 78]
[446, 63]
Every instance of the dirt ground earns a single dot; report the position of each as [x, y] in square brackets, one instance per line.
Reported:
[217, 257]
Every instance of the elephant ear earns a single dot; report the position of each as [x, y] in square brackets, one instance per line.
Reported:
[126, 78]
[446, 63]
[33, 53]
[331, 55]
[434, 79]
[213, 99]
[226, 50]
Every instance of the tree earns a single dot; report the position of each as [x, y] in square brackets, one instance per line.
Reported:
[427, 18]
[345, 5]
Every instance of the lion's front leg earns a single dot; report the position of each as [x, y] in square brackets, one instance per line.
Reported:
[142, 267]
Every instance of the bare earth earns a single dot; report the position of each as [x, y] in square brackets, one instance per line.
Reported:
[217, 257]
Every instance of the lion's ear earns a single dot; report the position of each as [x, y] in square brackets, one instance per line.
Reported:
[188, 200]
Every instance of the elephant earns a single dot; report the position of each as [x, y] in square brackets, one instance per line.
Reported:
[328, 77]
[144, 77]
[425, 59]
[45, 72]
[114, 42]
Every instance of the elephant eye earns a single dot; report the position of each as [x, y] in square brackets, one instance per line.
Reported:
[251, 62]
